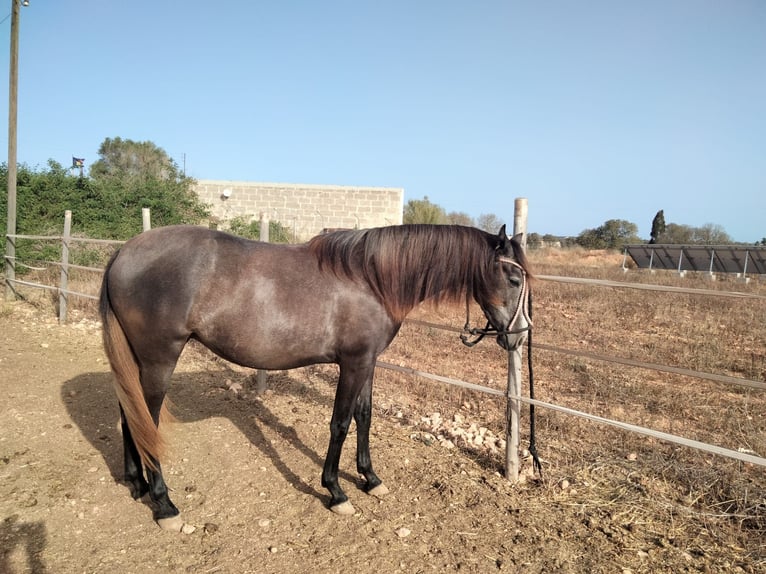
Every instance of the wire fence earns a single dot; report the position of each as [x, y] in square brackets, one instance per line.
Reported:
[741, 455]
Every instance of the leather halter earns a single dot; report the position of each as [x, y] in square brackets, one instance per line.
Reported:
[522, 306]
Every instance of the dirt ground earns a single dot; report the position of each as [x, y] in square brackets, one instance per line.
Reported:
[245, 472]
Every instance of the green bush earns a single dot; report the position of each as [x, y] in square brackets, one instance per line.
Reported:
[278, 233]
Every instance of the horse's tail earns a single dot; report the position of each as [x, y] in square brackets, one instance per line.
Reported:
[127, 383]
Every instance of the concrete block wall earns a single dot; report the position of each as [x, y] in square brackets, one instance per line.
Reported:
[305, 209]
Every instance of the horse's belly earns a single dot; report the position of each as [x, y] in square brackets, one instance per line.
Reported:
[265, 351]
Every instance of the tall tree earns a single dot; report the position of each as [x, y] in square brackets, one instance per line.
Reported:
[423, 211]
[130, 159]
[658, 226]
[613, 234]
[134, 175]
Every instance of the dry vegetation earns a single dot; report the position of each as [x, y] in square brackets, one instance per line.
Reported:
[643, 495]
[683, 496]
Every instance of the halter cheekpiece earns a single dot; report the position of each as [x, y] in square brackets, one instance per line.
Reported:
[521, 307]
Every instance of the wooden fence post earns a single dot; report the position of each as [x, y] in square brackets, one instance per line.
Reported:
[261, 375]
[64, 281]
[146, 218]
[264, 229]
[513, 407]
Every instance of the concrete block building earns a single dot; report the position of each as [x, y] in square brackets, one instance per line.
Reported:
[304, 209]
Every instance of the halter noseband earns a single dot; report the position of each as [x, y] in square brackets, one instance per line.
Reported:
[521, 307]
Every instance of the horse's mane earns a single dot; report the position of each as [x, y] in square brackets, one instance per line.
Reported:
[407, 264]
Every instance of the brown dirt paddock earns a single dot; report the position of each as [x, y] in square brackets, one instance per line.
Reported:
[245, 469]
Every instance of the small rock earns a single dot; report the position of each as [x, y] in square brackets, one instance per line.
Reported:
[564, 484]
[264, 523]
[403, 532]
[188, 529]
[273, 549]
[632, 456]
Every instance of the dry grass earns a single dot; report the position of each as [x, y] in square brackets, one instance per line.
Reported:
[685, 497]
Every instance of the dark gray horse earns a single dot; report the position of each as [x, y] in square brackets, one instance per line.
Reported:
[340, 298]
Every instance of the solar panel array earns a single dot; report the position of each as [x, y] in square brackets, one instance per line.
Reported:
[708, 258]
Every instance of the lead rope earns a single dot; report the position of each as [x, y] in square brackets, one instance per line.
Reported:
[525, 294]
[532, 445]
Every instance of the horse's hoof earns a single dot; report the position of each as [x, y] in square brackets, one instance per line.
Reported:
[344, 508]
[172, 523]
[379, 491]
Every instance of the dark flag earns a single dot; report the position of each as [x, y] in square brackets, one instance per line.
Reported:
[78, 162]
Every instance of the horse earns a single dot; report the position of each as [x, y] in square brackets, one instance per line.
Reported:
[339, 298]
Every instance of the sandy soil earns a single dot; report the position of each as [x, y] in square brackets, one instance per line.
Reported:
[245, 471]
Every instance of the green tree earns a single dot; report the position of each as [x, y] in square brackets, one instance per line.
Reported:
[129, 176]
[106, 204]
[658, 226]
[678, 234]
[613, 234]
[125, 159]
[423, 211]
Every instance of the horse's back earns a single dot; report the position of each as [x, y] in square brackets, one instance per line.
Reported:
[158, 275]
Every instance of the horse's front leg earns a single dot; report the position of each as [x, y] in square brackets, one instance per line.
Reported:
[363, 418]
[354, 375]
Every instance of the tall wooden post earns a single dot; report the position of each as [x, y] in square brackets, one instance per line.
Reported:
[261, 375]
[13, 91]
[146, 218]
[64, 281]
[513, 408]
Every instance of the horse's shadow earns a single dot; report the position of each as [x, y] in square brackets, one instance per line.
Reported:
[31, 536]
[92, 406]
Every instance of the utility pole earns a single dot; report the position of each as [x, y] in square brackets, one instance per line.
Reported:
[13, 91]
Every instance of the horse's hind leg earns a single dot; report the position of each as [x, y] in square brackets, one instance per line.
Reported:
[134, 470]
[363, 418]
[155, 381]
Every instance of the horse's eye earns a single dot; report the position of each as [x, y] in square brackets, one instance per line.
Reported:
[514, 280]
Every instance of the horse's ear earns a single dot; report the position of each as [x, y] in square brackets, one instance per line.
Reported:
[519, 238]
[503, 243]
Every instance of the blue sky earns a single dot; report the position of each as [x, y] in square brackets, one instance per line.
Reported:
[593, 110]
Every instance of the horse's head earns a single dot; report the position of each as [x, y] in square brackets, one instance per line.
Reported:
[508, 306]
